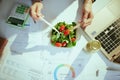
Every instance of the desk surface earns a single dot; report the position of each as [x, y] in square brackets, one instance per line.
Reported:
[30, 56]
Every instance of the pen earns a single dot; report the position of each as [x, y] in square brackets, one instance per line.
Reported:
[26, 24]
[97, 73]
[112, 69]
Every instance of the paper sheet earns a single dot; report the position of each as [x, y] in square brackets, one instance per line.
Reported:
[42, 64]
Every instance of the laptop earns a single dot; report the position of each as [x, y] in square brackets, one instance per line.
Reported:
[106, 28]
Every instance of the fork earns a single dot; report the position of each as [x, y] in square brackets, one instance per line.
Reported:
[49, 24]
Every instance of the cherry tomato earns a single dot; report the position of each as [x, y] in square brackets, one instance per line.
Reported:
[66, 32]
[58, 44]
[73, 39]
[64, 44]
[62, 28]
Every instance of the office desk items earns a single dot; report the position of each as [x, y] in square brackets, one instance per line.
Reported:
[3, 43]
[112, 69]
[97, 73]
[53, 63]
[26, 24]
[19, 15]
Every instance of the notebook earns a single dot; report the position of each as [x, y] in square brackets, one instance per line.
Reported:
[106, 29]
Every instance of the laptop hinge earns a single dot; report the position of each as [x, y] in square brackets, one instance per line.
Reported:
[115, 56]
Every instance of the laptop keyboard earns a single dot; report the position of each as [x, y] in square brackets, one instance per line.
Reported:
[110, 37]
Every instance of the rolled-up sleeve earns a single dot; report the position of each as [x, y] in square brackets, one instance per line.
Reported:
[37, 0]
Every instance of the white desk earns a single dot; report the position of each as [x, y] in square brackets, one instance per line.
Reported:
[30, 56]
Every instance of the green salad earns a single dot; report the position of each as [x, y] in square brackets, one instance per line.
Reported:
[67, 36]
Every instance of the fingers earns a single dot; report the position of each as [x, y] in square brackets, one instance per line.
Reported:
[85, 15]
[38, 10]
[86, 19]
[33, 15]
[84, 25]
[35, 11]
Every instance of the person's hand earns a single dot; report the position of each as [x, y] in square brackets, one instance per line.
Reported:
[87, 14]
[35, 10]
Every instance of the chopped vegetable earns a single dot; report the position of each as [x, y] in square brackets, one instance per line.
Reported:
[66, 32]
[64, 44]
[67, 36]
[58, 44]
[73, 39]
[62, 28]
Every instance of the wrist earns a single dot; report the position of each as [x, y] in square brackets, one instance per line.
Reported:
[90, 1]
[93, 1]
[33, 1]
